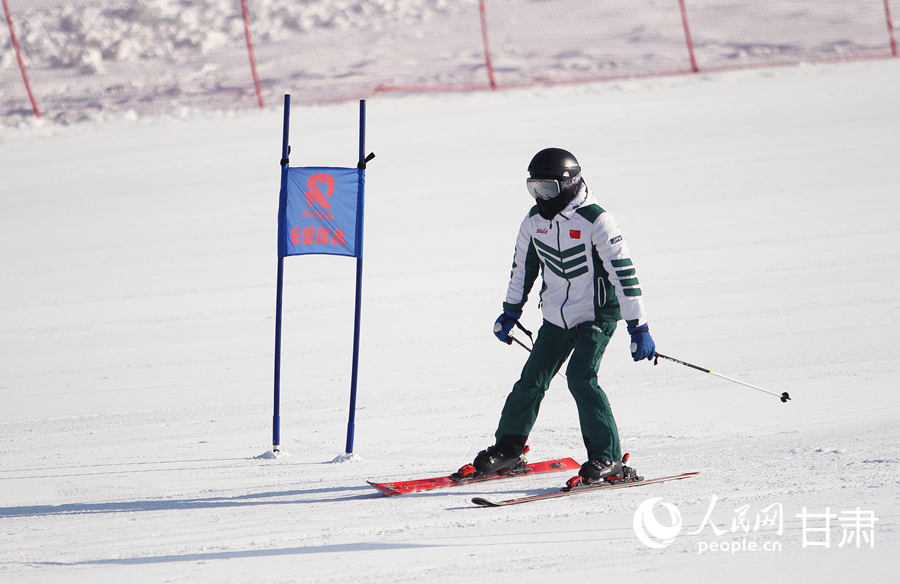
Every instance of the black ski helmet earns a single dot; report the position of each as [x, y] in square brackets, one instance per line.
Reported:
[559, 165]
[554, 163]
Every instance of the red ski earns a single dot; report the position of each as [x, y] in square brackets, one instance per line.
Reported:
[401, 487]
[589, 488]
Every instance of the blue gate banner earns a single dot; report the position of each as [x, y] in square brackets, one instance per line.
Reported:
[320, 211]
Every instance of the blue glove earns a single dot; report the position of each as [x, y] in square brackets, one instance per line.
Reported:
[642, 345]
[504, 324]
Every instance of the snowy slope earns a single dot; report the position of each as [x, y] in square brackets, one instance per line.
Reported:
[137, 261]
[97, 59]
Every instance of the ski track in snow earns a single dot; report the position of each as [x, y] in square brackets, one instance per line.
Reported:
[137, 261]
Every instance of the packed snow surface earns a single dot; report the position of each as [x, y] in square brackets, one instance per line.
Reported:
[138, 264]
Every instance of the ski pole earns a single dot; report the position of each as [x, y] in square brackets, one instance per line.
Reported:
[523, 345]
[784, 396]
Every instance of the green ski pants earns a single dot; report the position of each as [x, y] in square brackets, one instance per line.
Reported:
[586, 343]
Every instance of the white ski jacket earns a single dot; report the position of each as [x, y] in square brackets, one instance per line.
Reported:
[584, 263]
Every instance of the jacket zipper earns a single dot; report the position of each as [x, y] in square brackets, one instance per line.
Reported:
[568, 283]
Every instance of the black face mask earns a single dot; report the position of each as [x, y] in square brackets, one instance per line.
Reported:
[549, 208]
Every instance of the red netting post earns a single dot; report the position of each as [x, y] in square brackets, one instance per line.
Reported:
[890, 25]
[15, 43]
[687, 36]
[246, 13]
[487, 46]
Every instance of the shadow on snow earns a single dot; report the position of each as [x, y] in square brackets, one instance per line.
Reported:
[273, 498]
[322, 549]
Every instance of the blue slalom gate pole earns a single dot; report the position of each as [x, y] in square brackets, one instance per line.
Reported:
[361, 166]
[276, 417]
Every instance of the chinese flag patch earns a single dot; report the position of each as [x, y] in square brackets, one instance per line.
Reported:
[575, 233]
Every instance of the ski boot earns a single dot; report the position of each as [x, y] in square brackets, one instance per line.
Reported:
[601, 469]
[491, 462]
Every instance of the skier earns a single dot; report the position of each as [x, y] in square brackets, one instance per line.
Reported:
[589, 284]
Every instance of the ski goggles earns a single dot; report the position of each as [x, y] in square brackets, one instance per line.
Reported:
[548, 188]
[543, 188]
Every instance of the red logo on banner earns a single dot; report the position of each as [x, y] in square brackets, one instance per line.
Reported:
[315, 196]
[319, 211]
[310, 235]
[575, 233]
